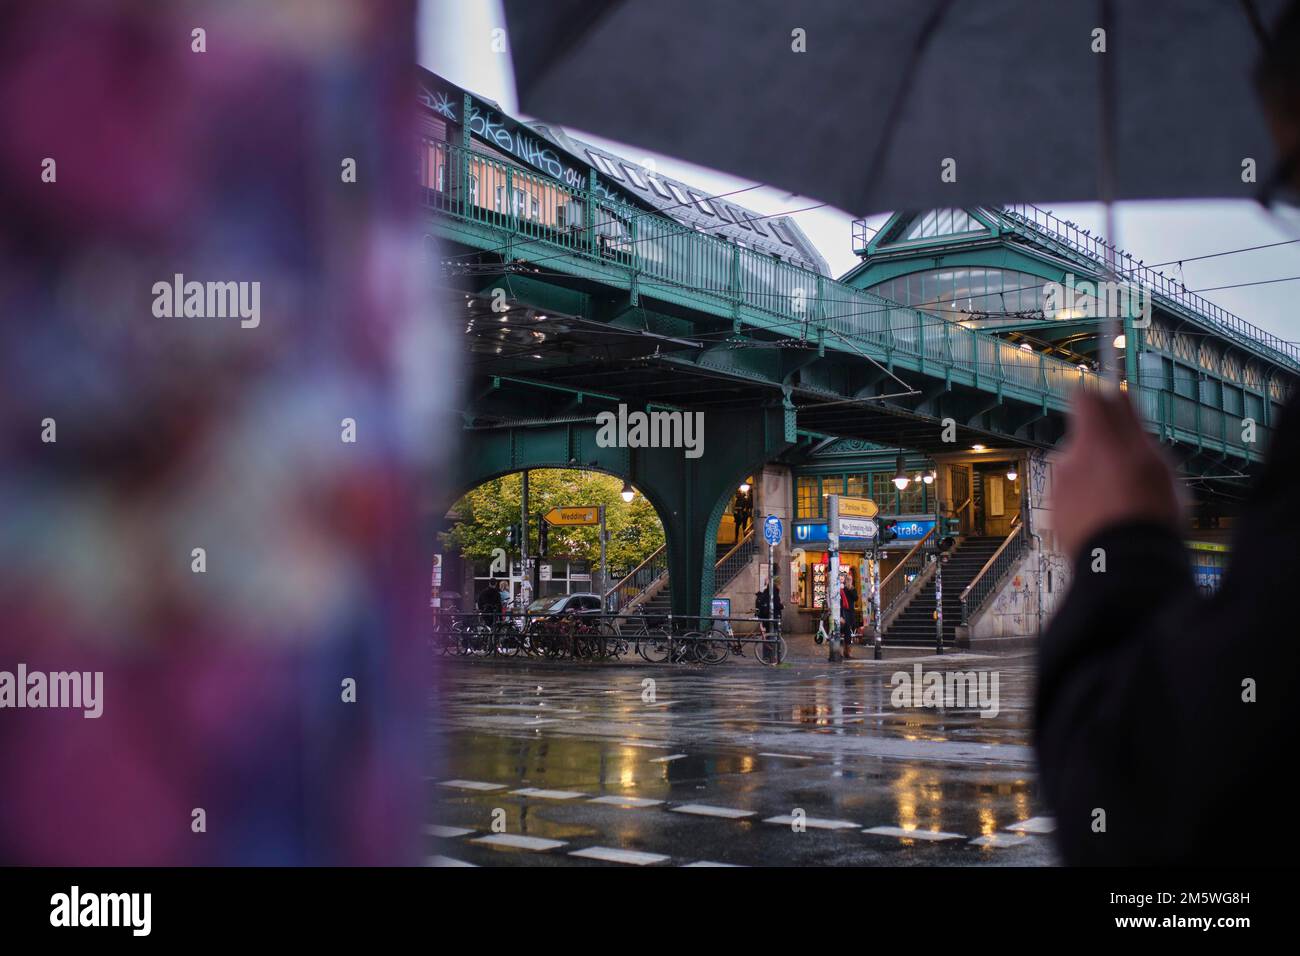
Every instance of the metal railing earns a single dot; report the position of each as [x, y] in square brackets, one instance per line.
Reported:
[986, 581]
[541, 215]
[894, 585]
[637, 580]
[734, 561]
[1047, 225]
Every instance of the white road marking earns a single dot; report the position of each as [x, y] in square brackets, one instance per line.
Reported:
[710, 863]
[902, 834]
[817, 823]
[789, 756]
[446, 861]
[1000, 839]
[447, 832]
[640, 743]
[704, 810]
[548, 794]
[615, 800]
[1034, 825]
[518, 842]
[667, 759]
[613, 855]
[471, 785]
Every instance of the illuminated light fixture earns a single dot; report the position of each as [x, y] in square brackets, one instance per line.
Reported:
[900, 476]
[744, 487]
[929, 476]
[628, 492]
[1012, 474]
[1120, 341]
[1026, 347]
[976, 447]
[1083, 368]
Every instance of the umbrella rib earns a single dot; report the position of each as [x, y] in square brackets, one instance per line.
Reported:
[895, 113]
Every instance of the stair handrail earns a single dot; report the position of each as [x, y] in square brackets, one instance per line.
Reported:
[730, 564]
[994, 562]
[627, 581]
[887, 587]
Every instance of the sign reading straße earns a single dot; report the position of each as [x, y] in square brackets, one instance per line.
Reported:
[573, 516]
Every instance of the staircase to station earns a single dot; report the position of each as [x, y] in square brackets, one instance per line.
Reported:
[914, 626]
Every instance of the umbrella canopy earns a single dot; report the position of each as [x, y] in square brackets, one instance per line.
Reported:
[898, 104]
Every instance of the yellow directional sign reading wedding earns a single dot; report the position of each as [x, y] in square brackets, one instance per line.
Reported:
[572, 516]
[857, 507]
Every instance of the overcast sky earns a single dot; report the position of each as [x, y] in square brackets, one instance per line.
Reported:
[454, 41]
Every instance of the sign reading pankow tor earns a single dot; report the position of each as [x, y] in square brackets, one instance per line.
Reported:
[657, 429]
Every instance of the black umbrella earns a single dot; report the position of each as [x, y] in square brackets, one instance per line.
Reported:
[1009, 97]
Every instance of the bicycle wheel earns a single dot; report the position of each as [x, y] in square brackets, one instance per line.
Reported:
[712, 649]
[653, 647]
[509, 641]
[771, 652]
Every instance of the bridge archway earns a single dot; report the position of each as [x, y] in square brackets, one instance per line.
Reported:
[689, 494]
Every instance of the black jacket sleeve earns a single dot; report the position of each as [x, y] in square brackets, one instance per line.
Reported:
[1141, 705]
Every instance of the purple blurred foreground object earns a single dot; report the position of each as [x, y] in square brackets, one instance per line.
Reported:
[181, 508]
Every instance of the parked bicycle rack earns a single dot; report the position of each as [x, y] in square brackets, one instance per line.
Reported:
[592, 635]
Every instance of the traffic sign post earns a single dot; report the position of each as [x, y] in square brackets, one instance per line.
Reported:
[569, 517]
[772, 531]
[836, 654]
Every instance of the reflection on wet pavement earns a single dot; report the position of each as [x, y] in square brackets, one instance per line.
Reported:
[802, 765]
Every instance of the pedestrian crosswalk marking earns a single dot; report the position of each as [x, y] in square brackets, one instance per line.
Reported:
[704, 810]
[613, 855]
[710, 863]
[1000, 839]
[519, 842]
[667, 759]
[446, 861]
[903, 834]
[817, 823]
[615, 800]
[435, 830]
[1034, 825]
[471, 785]
[548, 794]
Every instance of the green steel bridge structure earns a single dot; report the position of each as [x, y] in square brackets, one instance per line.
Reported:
[575, 302]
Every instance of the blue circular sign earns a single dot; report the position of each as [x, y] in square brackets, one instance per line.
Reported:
[772, 529]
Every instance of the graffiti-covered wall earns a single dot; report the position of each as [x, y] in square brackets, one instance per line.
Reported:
[1031, 592]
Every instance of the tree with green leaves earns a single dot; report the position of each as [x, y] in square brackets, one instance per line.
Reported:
[483, 515]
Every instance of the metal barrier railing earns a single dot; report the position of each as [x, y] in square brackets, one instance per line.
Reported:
[605, 636]
[986, 581]
[1095, 248]
[540, 215]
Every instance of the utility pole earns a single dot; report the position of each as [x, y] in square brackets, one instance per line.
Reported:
[526, 578]
[603, 575]
[833, 585]
[938, 602]
[878, 650]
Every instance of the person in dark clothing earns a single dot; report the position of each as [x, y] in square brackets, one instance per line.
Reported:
[848, 610]
[490, 603]
[1162, 714]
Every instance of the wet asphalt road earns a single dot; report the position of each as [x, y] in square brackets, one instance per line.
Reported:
[714, 755]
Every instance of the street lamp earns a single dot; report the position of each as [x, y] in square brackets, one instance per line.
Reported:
[929, 477]
[1012, 474]
[900, 475]
[744, 487]
[628, 492]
